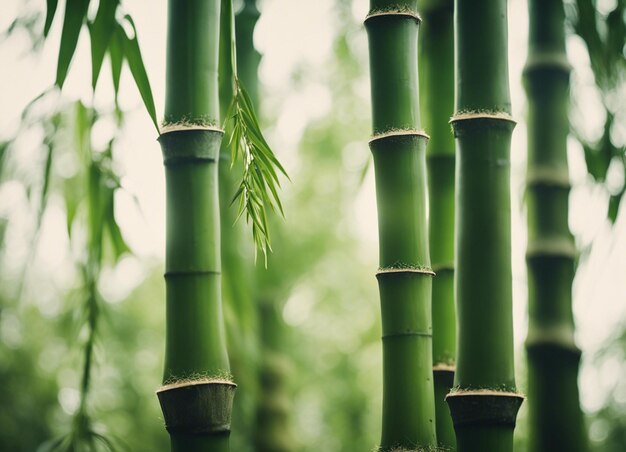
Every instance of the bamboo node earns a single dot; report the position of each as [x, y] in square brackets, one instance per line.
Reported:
[400, 267]
[399, 133]
[200, 406]
[185, 124]
[405, 334]
[470, 407]
[404, 449]
[444, 367]
[394, 10]
[548, 60]
[443, 267]
[561, 247]
[183, 143]
[548, 177]
[189, 273]
[471, 115]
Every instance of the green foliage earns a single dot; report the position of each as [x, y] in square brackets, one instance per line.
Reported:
[135, 63]
[605, 38]
[100, 31]
[75, 15]
[259, 184]
[106, 33]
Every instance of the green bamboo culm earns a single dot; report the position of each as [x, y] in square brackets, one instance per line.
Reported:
[398, 146]
[484, 402]
[436, 68]
[555, 417]
[197, 395]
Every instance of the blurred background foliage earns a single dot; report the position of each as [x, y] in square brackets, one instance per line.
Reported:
[81, 312]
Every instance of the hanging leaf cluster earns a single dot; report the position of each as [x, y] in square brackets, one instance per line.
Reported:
[258, 189]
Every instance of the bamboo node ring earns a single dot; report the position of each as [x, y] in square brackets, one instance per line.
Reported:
[399, 133]
[398, 12]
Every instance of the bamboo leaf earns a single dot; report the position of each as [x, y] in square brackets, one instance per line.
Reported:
[51, 9]
[100, 32]
[138, 70]
[75, 14]
[257, 190]
[116, 53]
[614, 202]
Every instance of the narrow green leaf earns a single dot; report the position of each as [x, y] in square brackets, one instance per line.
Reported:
[51, 9]
[100, 32]
[75, 14]
[137, 68]
[613, 210]
[116, 53]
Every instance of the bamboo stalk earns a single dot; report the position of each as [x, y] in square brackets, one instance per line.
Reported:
[485, 402]
[404, 278]
[437, 89]
[555, 418]
[196, 398]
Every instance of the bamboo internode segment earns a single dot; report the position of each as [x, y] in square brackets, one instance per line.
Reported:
[201, 407]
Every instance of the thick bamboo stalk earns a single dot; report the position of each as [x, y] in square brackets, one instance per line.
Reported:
[197, 396]
[404, 278]
[484, 403]
[555, 418]
[437, 90]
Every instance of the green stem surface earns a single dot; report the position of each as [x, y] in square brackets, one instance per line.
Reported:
[555, 418]
[437, 90]
[405, 277]
[485, 363]
[195, 339]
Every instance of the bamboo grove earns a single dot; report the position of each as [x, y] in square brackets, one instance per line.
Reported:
[441, 131]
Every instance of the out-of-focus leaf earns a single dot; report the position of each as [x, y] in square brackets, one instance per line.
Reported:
[116, 52]
[614, 202]
[46, 183]
[100, 32]
[75, 14]
[616, 35]
[137, 68]
[597, 162]
[4, 147]
[51, 8]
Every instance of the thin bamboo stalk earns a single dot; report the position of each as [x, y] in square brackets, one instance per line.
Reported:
[437, 90]
[485, 402]
[404, 279]
[555, 418]
[196, 398]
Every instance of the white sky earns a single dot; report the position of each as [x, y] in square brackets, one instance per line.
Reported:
[285, 40]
